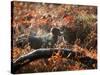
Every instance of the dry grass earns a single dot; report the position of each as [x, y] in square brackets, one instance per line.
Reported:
[44, 16]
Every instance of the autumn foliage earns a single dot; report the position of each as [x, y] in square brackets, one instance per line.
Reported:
[77, 22]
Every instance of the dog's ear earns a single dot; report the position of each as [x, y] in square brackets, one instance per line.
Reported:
[55, 31]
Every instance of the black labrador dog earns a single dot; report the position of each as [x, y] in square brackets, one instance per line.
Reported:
[44, 41]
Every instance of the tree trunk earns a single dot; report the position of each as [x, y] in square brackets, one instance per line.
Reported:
[46, 53]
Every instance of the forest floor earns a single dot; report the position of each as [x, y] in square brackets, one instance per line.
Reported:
[79, 19]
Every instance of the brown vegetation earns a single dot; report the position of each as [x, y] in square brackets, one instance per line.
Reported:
[79, 24]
